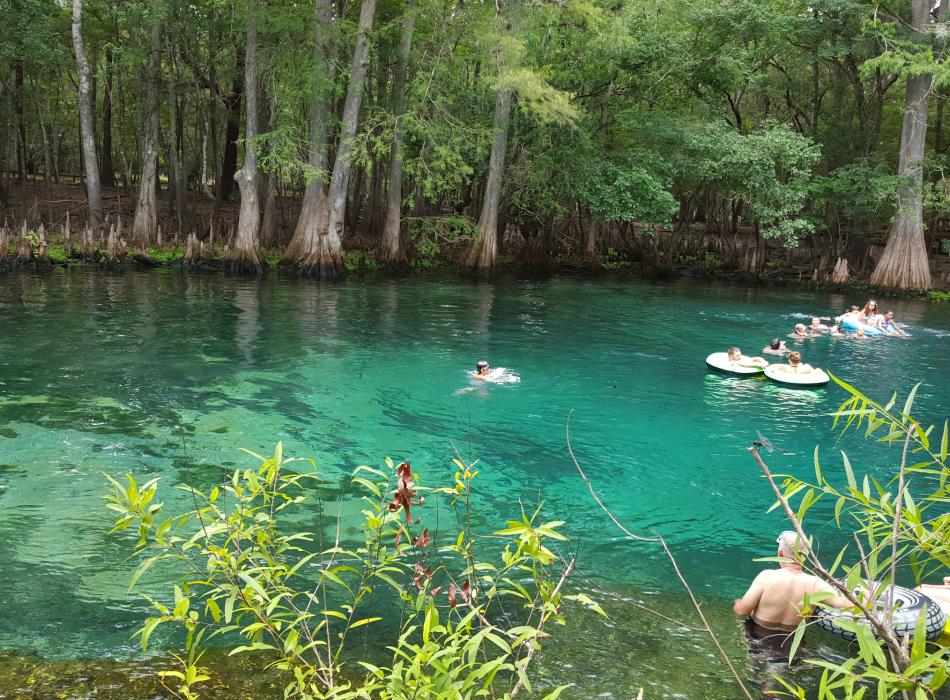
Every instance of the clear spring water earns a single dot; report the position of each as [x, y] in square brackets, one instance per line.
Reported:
[97, 371]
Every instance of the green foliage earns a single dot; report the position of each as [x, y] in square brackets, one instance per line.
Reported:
[901, 526]
[613, 260]
[252, 579]
[430, 237]
[165, 255]
[270, 258]
[57, 253]
[358, 260]
[769, 169]
[936, 295]
[624, 193]
[861, 192]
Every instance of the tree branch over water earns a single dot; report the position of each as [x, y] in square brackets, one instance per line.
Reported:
[658, 538]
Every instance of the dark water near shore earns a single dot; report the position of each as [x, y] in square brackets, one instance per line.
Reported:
[98, 370]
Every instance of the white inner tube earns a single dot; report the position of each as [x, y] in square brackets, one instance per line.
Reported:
[786, 374]
[907, 607]
[721, 361]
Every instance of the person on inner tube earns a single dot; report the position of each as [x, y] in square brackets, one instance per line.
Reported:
[774, 600]
[935, 591]
[482, 369]
[795, 364]
[735, 355]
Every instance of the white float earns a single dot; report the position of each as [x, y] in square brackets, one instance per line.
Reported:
[786, 374]
[721, 361]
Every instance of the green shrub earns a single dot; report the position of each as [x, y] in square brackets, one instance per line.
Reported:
[252, 580]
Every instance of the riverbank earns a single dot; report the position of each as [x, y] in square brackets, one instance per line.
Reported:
[46, 230]
[365, 264]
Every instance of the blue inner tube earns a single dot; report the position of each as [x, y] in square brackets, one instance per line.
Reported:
[907, 606]
[855, 325]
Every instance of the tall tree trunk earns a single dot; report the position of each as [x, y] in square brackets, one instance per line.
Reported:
[313, 250]
[20, 123]
[177, 153]
[145, 223]
[904, 263]
[243, 255]
[339, 181]
[391, 250]
[484, 251]
[108, 170]
[93, 190]
[232, 102]
[269, 217]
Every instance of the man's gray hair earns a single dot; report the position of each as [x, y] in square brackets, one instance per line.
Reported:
[790, 545]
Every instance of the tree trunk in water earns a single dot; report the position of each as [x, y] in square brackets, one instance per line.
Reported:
[310, 248]
[391, 250]
[904, 263]
[145, 223]
[341, 167]
[93, 190]
[108, 170]
[243, 256]
[484, 251]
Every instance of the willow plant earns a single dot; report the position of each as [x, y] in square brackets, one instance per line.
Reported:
[898, 526]
[252, 581]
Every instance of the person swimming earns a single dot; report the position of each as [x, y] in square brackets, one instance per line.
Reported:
[801, 331]
[482, 370]
[817, 326]
[776, 347]
[887, 324]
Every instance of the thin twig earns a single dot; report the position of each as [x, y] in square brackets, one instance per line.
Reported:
[533, 649]
[883, 632]
[669, 554]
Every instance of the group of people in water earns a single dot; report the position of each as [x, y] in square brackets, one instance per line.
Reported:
[856, 322]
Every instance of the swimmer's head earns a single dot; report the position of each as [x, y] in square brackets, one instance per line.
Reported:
[481, 367]
[794, 358]
[790, 545]
[775, 344]
[800, 328]
[734, 353]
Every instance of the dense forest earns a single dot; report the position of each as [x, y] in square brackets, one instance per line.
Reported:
[582, 130]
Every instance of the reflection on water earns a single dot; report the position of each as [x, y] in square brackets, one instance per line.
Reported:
[102, 373]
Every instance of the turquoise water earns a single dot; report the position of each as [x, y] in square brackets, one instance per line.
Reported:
[98, 370]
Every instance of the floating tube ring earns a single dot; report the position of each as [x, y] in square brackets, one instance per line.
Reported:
[907, 606]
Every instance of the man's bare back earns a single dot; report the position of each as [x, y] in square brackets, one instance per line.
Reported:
[775, 597]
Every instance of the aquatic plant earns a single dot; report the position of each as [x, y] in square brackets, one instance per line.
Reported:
[252, 581]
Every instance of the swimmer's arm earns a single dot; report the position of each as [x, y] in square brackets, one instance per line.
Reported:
[747, 604]
[836, 600]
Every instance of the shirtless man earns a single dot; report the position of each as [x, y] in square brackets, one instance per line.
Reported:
[735, 355]
[774, 600]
